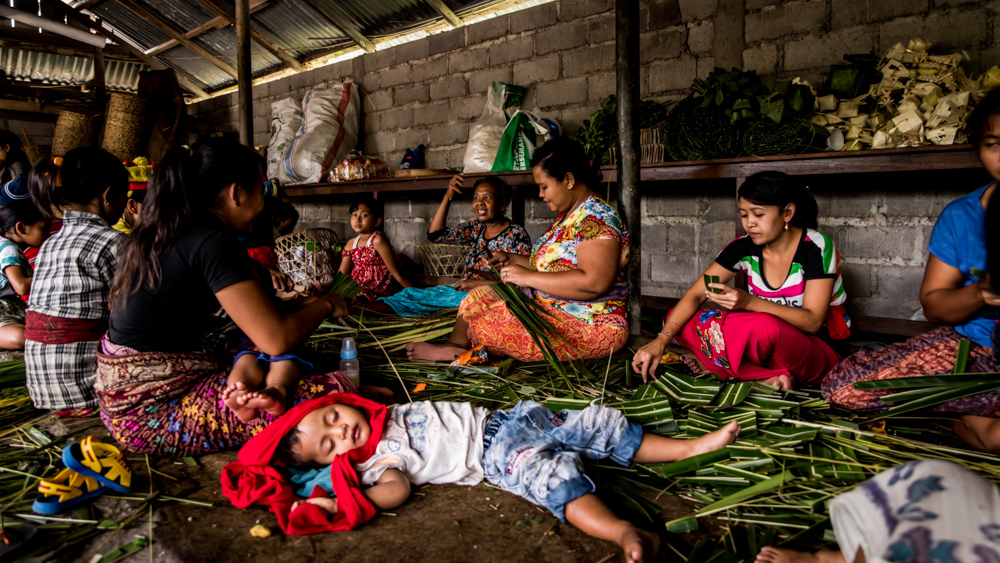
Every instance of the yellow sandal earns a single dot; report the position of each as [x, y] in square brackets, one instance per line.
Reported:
[64, 491]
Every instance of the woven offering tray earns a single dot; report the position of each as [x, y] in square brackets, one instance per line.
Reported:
[445, 260]
[308, 255]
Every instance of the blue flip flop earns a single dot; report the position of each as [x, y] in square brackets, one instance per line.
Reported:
[92, 458]
[66, 490]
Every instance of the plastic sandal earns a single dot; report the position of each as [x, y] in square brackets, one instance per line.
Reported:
[104, 462]
[66, 490]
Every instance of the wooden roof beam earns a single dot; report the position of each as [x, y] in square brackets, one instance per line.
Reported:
[443, 9]
[84, 20]
[341, 23]
[217, 22]
[229, 15]
[29, 39]
[169, 32]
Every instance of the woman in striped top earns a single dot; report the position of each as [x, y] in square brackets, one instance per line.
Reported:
[789, 325]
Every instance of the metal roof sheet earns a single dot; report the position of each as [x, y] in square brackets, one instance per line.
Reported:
[66, 70]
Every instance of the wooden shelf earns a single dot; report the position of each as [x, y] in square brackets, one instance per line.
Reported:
[912, 159]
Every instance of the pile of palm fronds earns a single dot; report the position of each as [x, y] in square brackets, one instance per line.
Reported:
[771, 487]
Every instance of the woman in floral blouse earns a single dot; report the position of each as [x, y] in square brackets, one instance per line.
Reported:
[489, 230]
[576, 271]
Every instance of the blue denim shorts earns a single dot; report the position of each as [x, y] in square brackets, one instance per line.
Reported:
[536, 454]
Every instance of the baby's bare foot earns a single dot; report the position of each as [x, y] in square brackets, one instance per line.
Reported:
[270, 400]
[433, 352]
[639, 545]
[715, 440]
[234, 396]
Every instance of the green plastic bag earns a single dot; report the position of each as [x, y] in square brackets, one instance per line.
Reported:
[518, 142]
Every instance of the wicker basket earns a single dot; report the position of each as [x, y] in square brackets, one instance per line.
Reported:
[123, 125]
[308, 255]
[446, 260]
[73, 130]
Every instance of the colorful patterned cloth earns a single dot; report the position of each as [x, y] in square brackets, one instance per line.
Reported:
[746, 345]
[494, 326]
[931, 353]
[555, 251]
[171, 403]
[514, 239]
[815, 258]
[928, 511]
[368, 269]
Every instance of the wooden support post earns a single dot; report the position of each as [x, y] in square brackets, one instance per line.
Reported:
[164, 28]
[341, 23]
[443, 9]
[99, 81]
[245, 80]
[629, 201]
[227, 13]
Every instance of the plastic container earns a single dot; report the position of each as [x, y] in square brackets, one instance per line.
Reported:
[349, 365]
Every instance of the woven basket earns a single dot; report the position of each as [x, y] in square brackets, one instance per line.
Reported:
[308, 255]
[446, 260]
[73, 130]
[123, 125]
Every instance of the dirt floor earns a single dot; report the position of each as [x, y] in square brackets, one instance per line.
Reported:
[438, 523]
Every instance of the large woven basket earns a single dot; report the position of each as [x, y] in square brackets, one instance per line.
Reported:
[123, 125]
[445, 260]
[73, 130]
[308, 255]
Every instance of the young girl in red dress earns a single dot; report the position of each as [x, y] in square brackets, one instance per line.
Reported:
[369, 258]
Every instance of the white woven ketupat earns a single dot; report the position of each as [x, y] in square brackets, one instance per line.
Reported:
[446, 260]
[308, 255]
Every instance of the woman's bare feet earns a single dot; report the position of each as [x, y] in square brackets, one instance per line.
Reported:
[234, 396]
[638, 545]
[775, 555]
[433, 352]
[270, 400]
[785, 382]
[715, 440]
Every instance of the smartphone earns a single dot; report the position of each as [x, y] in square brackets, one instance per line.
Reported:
[712, 279]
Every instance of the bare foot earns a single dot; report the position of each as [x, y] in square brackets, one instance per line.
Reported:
[775, 555]
[270, 400]
[693, 363]
[715, 440]
[234, 396]
[433, 352]
[785, 382]
[639, 545]
[980, 432]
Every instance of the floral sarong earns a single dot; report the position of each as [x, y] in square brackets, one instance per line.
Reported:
[493, 325]
[171, 403]
[931, 353]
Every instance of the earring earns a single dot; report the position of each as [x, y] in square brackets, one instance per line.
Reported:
[786, 225]
[106, 203]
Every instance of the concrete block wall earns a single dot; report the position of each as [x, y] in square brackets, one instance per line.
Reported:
[430, 91]
[40, 132]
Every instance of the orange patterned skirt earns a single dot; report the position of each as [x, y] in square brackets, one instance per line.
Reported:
[492, 325]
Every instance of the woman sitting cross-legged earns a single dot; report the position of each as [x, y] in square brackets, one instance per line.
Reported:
[575, 271]
[185, 296]
[491, 231]
[957, 292]
[785, 329]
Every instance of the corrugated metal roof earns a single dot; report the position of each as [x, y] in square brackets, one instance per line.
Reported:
[291, 24]
[65, 70]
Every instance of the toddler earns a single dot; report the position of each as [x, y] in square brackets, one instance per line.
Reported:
[24, 225]
[369, 258]
[528, 450]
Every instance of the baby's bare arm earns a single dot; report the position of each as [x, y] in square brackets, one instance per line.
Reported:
[391, 490]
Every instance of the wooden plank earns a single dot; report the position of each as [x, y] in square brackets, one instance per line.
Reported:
[164, 28]
[227, 14]
[321, 191]
[85, 21]
[443, 9]
[29, 39]
[341, 23]
[35, 107]
[217, 22]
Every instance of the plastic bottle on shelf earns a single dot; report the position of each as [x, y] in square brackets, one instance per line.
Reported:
[349, 365]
